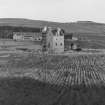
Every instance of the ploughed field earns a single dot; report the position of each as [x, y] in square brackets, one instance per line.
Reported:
[88, 69]
[76, 79]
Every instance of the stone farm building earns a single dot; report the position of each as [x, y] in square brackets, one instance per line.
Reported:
[31, 36]
[71, 42]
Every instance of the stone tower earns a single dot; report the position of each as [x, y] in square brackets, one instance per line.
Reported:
[54, 40]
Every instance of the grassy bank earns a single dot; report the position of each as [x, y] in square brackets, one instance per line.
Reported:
[26, 91]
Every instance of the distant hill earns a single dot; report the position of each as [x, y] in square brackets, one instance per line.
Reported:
[76, 27]
[89, 33]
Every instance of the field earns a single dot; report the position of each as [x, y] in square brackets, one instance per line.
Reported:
[91, 40]
[13, 45]
[27, 91]
[74, 79]
[74, 69]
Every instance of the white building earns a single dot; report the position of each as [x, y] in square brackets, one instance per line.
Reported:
[74, 38]
[17, 37]
[32, 36]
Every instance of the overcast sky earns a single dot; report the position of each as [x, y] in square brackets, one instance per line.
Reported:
[54, 10]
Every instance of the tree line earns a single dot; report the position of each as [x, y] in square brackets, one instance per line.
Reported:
[6, 32]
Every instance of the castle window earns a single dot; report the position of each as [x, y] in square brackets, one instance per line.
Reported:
[56, 44]
[54, 31]
[62, 32]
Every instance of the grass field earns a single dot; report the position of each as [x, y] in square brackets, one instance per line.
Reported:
[74, 69]
[11, 45]
[27, 91]
[89, 40]
[74, 79]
